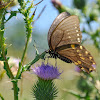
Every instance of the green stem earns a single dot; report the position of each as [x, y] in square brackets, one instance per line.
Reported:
[15, 88]
[2, 45]
[87, 97]
[20, 65]
[12, 77]
[7, 65]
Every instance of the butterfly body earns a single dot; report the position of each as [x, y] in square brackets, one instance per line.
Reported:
[55, 55]
[64, 39]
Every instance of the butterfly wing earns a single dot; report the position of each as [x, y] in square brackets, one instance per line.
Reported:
[66, 31]
[55, 23]
[64, 38]
[80, 57]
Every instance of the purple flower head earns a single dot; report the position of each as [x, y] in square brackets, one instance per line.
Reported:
[47, 72]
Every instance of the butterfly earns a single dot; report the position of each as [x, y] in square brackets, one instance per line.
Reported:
[64, 40]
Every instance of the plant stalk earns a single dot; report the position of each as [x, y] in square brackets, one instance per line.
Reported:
[15, 88]
[24, 52]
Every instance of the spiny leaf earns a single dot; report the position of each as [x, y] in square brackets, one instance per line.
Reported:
[13, 13]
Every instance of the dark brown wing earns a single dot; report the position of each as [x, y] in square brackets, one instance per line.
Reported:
[66, 31]
[80, 57]
[55, 23]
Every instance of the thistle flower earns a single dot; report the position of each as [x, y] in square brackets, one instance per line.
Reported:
[47, 72]
[44, 88]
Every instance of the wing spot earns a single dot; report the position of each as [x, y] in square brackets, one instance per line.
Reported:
[76, 30]
[90, 69]
[76, 63]
[82, 58]
[73, 46]
[94, 69]
[82, 68]
[69, 37]
[80, 54]
[86, 52]
[94, 63]
[77, 34]
[78, 39]
[77, 50]
[81, 47]
[90, 58]
[79, 62]
[75, 27]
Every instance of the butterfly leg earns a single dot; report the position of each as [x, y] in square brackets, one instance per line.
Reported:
[48, 58]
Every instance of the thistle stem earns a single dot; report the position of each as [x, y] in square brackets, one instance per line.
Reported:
[24, 52]
[6, 65]
[15, 90]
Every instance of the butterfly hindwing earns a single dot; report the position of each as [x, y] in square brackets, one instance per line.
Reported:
[80, 57]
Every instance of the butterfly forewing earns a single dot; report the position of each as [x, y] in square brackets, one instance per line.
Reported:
[67, 32]
[55, 23]
[80, 57]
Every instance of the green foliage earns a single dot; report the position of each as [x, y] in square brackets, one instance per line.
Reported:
[44, 89]
[21, 2]
[12, 14]
[2, 74]
[80, 4]
[7, 72]
[96, 38]
[1, 97]
[85, 85]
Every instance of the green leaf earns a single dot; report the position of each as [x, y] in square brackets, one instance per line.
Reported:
[13, 13]
[80, 4]
[1, 59]
[5, 51]
[74, 93]
[1, 97]
[6, 69]
[21, 2]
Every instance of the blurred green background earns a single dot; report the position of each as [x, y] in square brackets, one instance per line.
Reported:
[15, 39]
